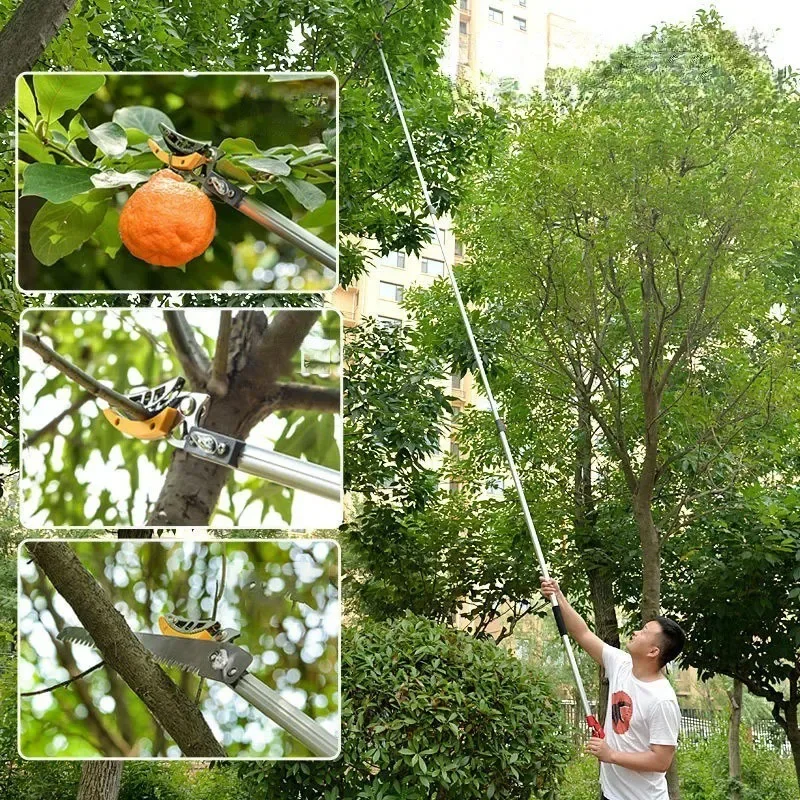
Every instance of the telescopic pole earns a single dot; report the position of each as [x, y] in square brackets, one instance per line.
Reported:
[594, 725]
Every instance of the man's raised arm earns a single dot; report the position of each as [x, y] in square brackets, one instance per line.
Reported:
[577, 627]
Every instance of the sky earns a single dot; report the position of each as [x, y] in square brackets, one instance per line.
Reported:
[616, 22]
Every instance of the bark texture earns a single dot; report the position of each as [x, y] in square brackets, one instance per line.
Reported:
[25, 37]
[259, 353]
[123, 652]
[734, 754]
[100, 780]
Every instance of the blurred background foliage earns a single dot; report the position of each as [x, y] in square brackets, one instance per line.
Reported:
[282, 596]
[283, 126]
[67, 468]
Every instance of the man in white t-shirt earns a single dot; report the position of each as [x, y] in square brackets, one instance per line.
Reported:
[643, 717]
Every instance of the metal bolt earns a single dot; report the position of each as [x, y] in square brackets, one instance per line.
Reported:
[187, 406]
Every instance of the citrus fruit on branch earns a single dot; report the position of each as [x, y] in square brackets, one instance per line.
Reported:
[167, 221]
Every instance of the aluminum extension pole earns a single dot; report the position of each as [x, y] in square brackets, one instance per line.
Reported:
[267, 464]
[597, 729]
[291, 719]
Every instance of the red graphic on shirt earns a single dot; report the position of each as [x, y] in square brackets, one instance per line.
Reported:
[621, 712]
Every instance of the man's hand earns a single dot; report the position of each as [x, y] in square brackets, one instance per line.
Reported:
[549, 588]
[600, 750]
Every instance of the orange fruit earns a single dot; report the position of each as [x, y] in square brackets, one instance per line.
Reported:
[167, 221]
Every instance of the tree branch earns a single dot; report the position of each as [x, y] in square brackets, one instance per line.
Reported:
[302, 397]
[123, 651]
[67, 682]
[192, 357]
[25, 37]
[218, 383]
[284, 335]
[51, 426]
[76, 374]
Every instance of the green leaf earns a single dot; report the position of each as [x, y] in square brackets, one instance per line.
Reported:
[109, 138]
[107, 233]
[270, 165]
[78, 129]
[59, 229]
[58, 92]
[329, 137]
[239, 145]
[308, 195]
[57, 182]
[111, 179]
[141, 122]
[321, 217]
[32, 145]
[26, 102]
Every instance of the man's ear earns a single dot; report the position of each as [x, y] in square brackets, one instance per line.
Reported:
[654, 652]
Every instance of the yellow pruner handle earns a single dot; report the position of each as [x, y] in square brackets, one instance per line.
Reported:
[158, 427]
[168, 630]
[183, 163]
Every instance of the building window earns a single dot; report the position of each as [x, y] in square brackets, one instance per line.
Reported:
[390, 322]
[520, 24]
[391, 291]
[496, 15]
[430, 266]
[459, 249]
[455, 452]
[397, 260]
[455, 381]
[522, 3]
[463, 27]
[464, 5]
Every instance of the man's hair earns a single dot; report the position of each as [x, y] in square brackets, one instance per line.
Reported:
[672, 640]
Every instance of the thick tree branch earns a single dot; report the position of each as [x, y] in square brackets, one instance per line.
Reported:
[301, 397]
[192, 357]
[123, 651]
[218, 383]
[25, 37]
[284, 335]
[76, 374]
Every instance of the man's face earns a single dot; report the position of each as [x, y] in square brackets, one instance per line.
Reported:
[646, 642]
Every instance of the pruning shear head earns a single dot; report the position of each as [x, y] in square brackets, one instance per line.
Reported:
[183, 154]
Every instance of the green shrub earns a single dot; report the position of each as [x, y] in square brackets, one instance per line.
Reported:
[430, 712]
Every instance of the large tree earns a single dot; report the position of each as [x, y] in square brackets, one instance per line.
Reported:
[625, 243]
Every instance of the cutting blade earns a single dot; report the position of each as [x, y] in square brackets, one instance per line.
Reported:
[217, 661]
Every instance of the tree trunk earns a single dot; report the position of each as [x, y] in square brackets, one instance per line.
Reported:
[100, 780]
[25, 37]
[259, 353]
[793, 719]
[734, 729]
[651, 558]
[123, 652]
[605, 623]
[600, 576]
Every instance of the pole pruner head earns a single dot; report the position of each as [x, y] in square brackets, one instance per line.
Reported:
[182, 153]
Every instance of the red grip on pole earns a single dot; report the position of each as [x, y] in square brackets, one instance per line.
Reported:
[595, 726]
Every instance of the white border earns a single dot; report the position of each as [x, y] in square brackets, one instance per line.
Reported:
[309, 75]
[223, 541]
[336, 523]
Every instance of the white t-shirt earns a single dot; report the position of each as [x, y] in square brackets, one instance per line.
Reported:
[640, 713]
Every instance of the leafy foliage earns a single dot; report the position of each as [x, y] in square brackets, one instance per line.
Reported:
[281, 596]
[84, 148]
[495, 729]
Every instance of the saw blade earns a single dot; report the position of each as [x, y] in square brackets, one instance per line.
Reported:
[217, 661]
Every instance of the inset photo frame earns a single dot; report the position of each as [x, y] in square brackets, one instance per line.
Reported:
[157, 182]
[208, 417]
[173, 649]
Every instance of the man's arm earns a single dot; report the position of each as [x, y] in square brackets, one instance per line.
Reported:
[656, 759]
[575, 623]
